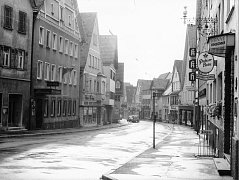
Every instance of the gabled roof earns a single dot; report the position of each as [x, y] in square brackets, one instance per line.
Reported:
[144, 84]
[190, 42]
[160, 84]
[86, 22]
[164, 75]
[178, 64]
[109, 49]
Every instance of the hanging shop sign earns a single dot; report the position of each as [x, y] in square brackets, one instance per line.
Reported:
[205, 77]
[220, 44]
[205, 62]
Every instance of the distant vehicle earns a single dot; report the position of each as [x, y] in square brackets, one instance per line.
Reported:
[133, 118]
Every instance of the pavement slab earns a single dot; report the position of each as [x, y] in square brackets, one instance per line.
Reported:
[173, 158]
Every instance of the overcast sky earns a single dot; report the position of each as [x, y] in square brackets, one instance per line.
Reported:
[151, 33]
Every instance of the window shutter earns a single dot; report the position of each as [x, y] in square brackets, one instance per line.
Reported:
[25, 61]
[1, 56]
[16, 58]
[12, 58]
[2, 15]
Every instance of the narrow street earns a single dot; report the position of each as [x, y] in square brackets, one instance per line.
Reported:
[82, 155]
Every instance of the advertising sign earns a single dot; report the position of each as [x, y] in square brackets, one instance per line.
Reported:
[205, 62]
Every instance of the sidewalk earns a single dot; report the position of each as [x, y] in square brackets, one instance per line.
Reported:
[59, 131]
[172, 159]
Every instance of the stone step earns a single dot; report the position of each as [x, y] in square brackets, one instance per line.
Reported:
[223, 167]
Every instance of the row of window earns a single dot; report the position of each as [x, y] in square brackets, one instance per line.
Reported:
[50, 73]
[94, 62]
[12, 58]
[94, 86]
[8, 19]
[62, 44]
[59, 107]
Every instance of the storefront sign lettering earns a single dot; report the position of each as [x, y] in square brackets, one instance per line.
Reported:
[205, 62]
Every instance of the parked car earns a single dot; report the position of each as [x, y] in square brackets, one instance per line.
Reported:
[133, 118]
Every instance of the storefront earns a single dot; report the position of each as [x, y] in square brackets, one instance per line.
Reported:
[223, 46]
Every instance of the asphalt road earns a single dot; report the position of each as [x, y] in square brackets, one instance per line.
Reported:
[81, 155]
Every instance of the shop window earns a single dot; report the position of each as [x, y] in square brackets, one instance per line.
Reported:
[22, 22]
[45, 114]
[74, 108]
[53, 106]
[64, 108]
[58, 107]
[69, 107]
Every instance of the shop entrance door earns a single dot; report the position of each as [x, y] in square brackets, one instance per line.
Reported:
[15, 110]
[39, 113]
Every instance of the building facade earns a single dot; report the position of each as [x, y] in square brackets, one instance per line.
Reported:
[15, 63]
[92, 80]
[56, 63]
[222, 92]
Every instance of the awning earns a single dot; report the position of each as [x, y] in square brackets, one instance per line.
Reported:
[174, 93]
[219, 45]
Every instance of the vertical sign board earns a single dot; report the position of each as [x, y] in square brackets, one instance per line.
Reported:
[192, 76]
[192, 52]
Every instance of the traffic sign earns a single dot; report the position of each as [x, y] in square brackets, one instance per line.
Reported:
[192, 76]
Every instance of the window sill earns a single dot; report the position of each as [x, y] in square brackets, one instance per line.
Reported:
[8, 28]
[22, 32]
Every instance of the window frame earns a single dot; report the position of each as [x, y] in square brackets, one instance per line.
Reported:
[47, 71]
[59, 107]
[46, 107]
[66, 50]
[41, 35]
[8, 18]
[53, 107]
[60, 70]
[61, 44]
[54, 41]
[39, 70]
[48, 38]
[6, 61]
[53, 72]
[22, 22]
[21, 57]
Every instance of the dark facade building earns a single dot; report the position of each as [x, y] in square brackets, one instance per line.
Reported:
[15, 63]
[56, 64]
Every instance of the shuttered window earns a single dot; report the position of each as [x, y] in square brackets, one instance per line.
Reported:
[22, 22]
[7, 17]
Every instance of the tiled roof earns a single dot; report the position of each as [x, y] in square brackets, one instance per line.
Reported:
[86, 22]
[178, 64]
[164, 75]
[160, 84]
[144, 84]
[109, 50]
